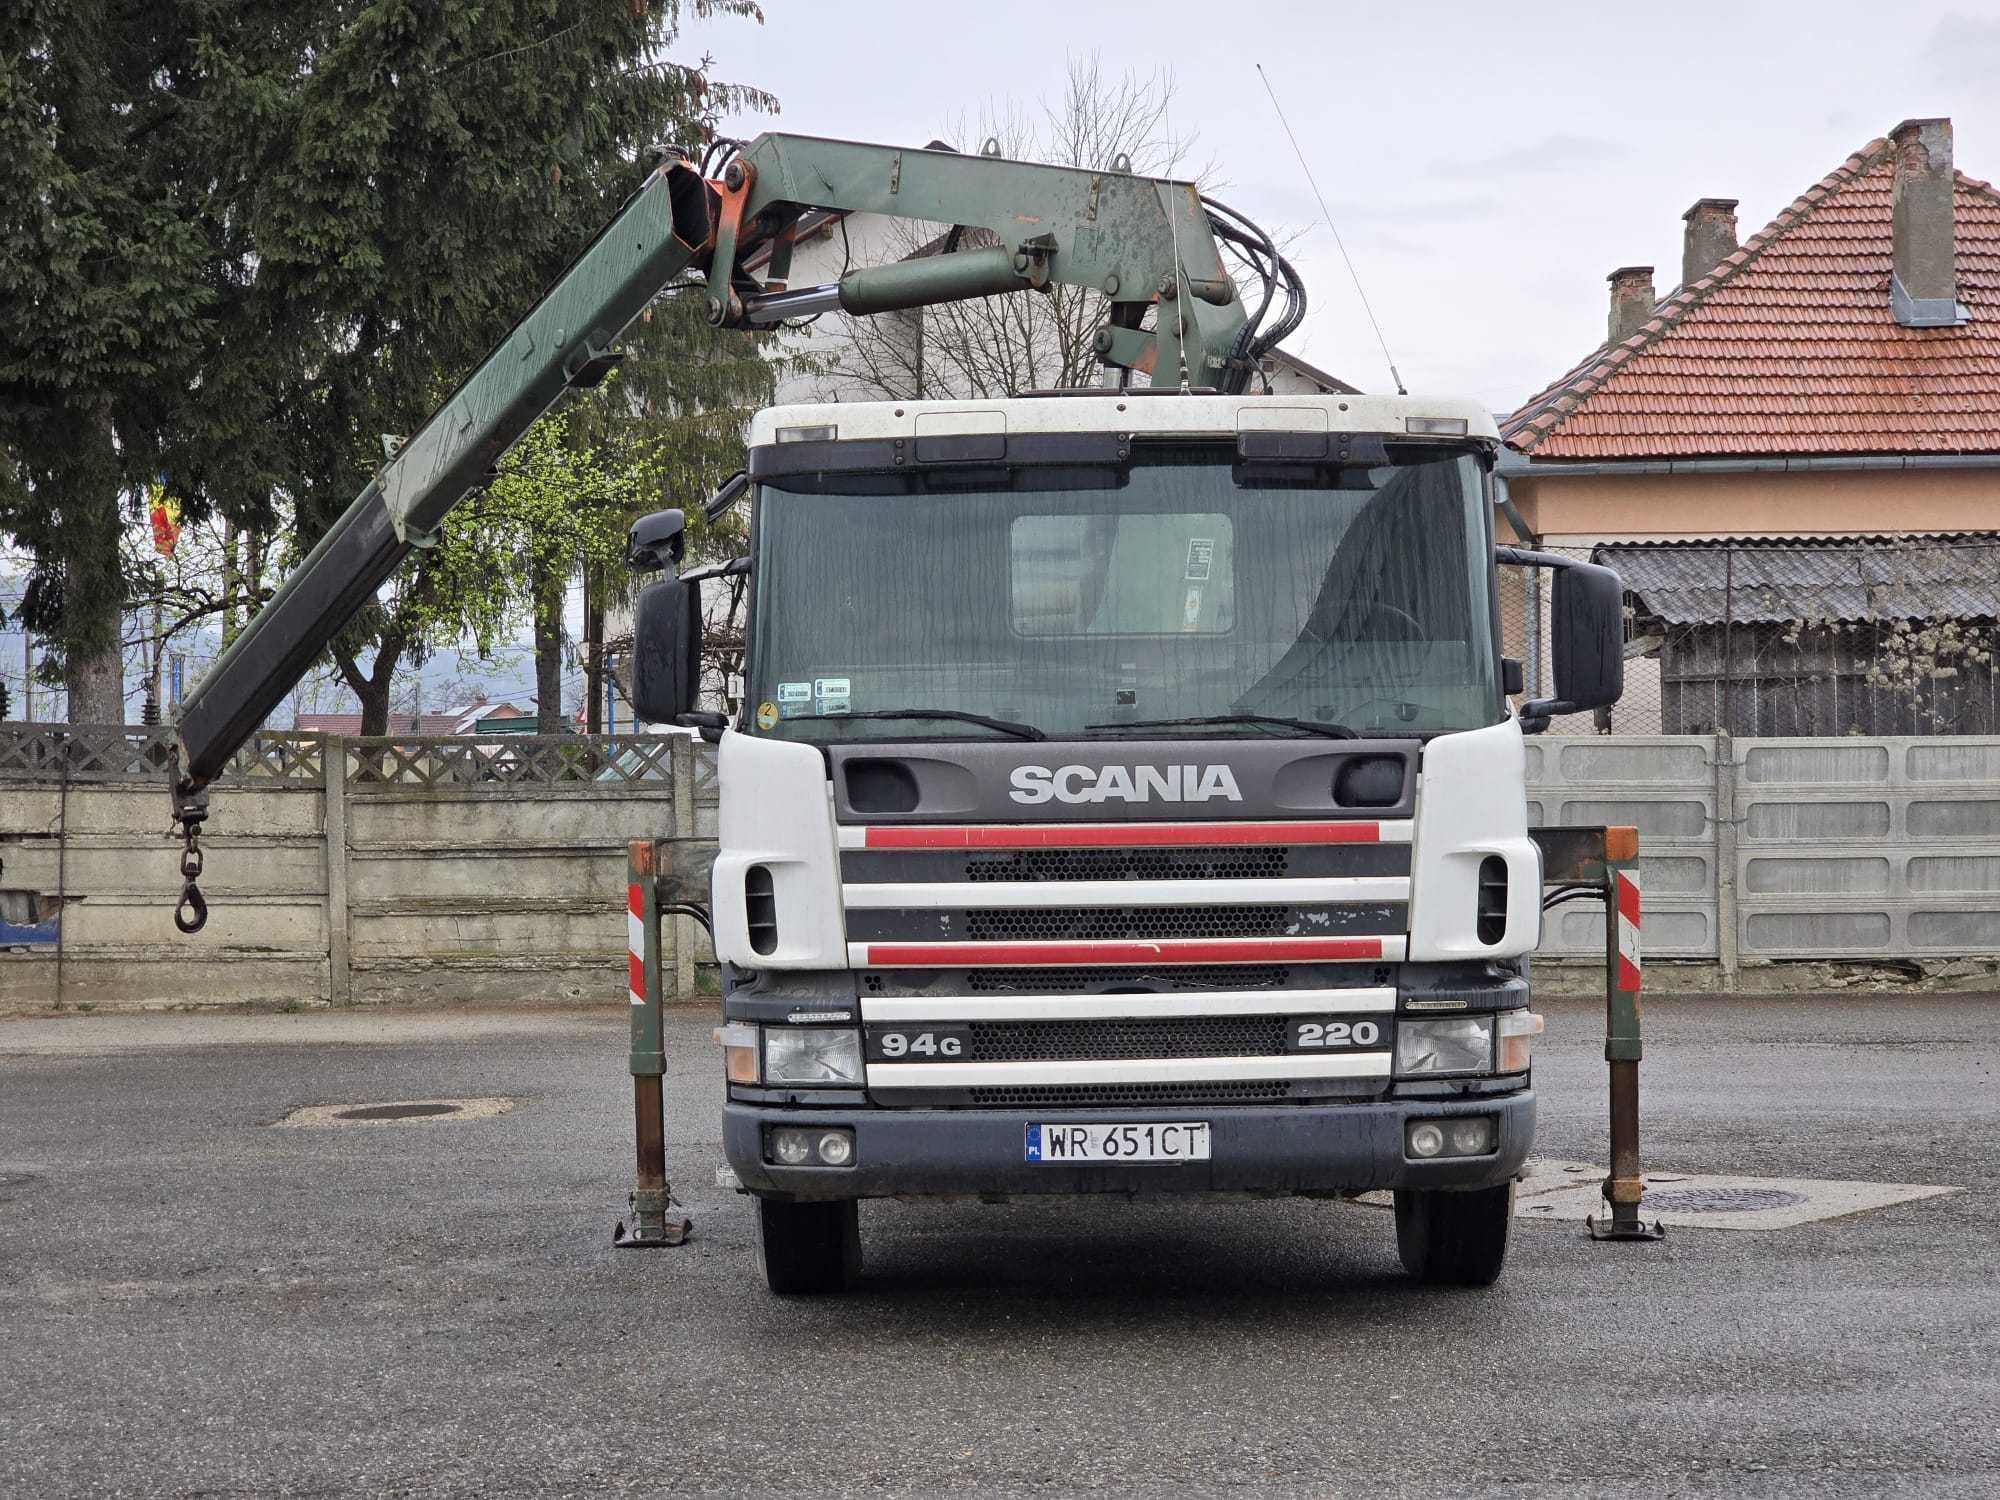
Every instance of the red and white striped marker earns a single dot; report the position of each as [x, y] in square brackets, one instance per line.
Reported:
[1630, 966]
[635, 942]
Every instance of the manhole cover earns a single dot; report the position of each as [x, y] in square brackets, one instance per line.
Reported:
[1720, 1200]
[399, 1112]
[396, 1111]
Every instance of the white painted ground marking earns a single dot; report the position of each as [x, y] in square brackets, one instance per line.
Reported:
[1573, 1190]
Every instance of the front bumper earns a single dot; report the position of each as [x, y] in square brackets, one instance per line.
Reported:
[1277, 1150]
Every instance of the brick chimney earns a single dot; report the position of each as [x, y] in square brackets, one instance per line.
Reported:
[1631, 301]
[1710, 237]
[1923, 289]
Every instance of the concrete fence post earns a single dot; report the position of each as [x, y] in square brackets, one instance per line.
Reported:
[685, 827]
[339, 974]
[1727, 933]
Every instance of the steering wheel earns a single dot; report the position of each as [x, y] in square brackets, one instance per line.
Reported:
[1416, 627]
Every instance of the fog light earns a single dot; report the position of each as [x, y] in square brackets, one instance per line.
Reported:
[1472, 1137]
[791, 1148]
[836, 1148]
[1425, 1140]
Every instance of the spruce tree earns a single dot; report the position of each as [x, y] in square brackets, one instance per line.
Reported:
[242, 239]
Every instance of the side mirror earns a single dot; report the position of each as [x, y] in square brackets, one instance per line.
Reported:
[727, 494]
[1586, 639]
[666, 649]
[656, 542]
[1586, 635]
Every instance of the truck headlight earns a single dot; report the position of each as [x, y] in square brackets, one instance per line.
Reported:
[812, 1054]
[1457, 1044]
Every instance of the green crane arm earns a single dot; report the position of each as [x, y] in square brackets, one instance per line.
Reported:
[1143, 242]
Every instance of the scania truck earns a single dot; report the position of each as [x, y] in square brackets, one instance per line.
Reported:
[1125, 795]
[1126, 799]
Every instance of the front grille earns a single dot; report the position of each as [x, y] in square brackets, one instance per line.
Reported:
[1168, 1036]
[1095, 981]
[1019, 924]
[1131, 864]
[1102, 1095]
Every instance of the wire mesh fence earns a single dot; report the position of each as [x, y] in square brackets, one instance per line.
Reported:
[1837, 636]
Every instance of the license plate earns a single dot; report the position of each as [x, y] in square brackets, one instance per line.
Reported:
[1185, 1140]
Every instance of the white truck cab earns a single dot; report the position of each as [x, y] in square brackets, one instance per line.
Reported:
[1125, 800]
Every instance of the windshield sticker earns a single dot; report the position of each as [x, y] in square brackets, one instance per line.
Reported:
[767, 715]
[831, 694]
[1201, 558]
[795, 692]
[1191, 609]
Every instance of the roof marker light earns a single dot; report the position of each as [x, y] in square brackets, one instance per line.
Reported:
[1437, 426]
[829, 432]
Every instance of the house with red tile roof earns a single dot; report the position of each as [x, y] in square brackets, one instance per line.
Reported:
[477, 716]
[1816, 409]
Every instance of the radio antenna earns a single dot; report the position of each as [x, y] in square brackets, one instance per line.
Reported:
[1387, 358]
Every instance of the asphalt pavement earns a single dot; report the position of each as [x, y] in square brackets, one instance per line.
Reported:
[193, 1302]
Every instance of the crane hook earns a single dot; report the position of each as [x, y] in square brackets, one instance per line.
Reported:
[192, 913]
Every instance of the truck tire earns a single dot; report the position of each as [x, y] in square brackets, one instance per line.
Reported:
[1454, 1239]
[807, 1249]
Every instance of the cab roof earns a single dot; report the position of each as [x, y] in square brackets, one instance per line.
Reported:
[1151, 412]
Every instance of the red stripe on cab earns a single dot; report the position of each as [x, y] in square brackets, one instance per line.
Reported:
[1115, 835]
[1168, 950]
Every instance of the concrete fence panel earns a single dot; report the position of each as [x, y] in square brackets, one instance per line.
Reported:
[1881, 848]
[360, 870]
[1665, 786]
[385, 870]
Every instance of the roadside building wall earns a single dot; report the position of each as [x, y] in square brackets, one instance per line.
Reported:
[1584, 510]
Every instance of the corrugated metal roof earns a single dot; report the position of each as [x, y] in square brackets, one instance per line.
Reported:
[1859, 578]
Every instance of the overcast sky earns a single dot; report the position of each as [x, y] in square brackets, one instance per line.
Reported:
[1486, 164]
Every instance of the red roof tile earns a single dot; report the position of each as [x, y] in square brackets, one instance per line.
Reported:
[1789, 346]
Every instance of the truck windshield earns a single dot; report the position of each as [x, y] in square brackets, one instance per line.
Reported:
[1184, 586]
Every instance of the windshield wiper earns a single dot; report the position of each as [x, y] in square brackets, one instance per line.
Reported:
[1310, 726]
[1005, 726]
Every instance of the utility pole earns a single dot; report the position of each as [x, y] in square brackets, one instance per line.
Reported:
[151, 713]
[27, 675]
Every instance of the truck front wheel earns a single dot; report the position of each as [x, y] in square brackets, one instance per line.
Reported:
[1454, 1239]
[809, 1248]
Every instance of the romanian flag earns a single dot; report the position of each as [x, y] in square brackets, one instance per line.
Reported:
[165, 513]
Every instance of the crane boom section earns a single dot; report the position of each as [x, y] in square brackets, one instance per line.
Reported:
[656, 236]
[1139, 241]
[1145, 244]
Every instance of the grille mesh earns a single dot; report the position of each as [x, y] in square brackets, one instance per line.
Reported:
[1168, 1036]
[1132, 864]
[1060, 1095]
[1028, 923]
[1092, 981]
